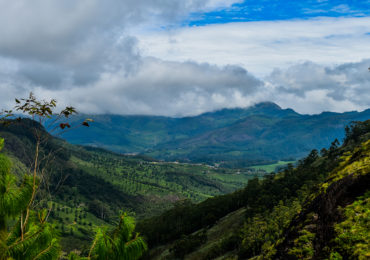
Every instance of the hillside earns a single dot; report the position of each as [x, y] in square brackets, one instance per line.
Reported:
[235, 137]
[334, 222]
[317, 210]
[89, 186]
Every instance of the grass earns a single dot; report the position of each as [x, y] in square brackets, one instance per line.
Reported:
[271, 167]
[160, 184]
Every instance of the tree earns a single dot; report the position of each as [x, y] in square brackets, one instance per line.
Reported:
[34, 239]
[41, 112]
[31, 237]
[121, 243]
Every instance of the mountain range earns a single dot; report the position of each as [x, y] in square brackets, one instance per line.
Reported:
[241, 136]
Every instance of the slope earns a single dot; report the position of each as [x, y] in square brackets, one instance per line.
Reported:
[318, 210]
[89, 186]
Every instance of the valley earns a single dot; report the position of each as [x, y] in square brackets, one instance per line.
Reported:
[88, 186]
[191, 210]
[316, 210]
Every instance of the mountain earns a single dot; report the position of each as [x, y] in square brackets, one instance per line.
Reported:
[240, 136]
[316, 210]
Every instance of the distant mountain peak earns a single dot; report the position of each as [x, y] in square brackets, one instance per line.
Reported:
[267, 105]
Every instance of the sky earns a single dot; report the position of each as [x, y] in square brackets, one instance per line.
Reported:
[183, 58]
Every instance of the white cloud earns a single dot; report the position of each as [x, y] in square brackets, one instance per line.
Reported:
[81, 39]
[164, 88]
[101, 58]
[262, 46]
[179, 89]
[313, 88]
[213, 4]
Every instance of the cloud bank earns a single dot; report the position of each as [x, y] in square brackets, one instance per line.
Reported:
[113, 57]
[264, 45]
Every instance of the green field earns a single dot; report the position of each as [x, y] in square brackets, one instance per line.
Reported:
[271, 167]
[161, 179]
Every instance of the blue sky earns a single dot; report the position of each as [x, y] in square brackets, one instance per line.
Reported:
[265, 10]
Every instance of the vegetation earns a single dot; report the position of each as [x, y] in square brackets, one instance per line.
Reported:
[272, 167]
[87, 187]
[352, 240]
[25, 232]
[152, 178]
[259, 196]
[38, 239]
[283, 211]
[117, 244]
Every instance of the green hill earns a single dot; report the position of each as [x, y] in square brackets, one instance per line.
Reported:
[317, 210]
[86, 186]
[260, 134]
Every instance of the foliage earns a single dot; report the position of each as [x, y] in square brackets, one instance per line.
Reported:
[187, 244]
[352, 163]
[30, 235]
[334, 233]
[121, 243]
[34, 239]
[226, 244]
[303, 247]
[273, 207]
[261, 232]
[355, 130]
[147, 178]
[253, 235]
[353, 234]
[39, 111]
[96, 181]
[38, 239]
[259, 197]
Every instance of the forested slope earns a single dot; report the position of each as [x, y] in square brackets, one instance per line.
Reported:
[86, 187]
[334, 222]
[317, 210]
